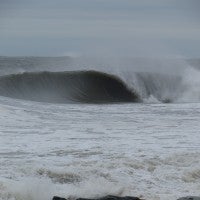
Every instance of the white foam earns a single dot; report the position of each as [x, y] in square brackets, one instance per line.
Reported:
[149, 150]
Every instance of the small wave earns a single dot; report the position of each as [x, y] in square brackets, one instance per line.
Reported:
[59, 177]
[193, 176]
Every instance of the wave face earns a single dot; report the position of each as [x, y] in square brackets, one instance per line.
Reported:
[66, 87]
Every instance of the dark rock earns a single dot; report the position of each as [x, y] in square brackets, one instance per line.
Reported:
[58, 198]
[189, 198]
[109, 197]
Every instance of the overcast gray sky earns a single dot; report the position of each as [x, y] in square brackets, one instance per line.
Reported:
[105, 27]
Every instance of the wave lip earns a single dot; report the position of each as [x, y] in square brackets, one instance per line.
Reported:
[67, 87]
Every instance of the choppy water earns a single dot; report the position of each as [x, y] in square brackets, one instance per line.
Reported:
[150, 150]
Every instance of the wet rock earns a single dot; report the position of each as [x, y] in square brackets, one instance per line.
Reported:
[58, 198]
[109, 197]
[189, 198]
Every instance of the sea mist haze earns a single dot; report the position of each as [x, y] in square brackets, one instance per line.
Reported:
[99, 98]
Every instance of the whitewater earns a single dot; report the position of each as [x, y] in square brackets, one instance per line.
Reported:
[56, 142]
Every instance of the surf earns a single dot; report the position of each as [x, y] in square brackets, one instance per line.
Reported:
[98, 87]
[67, 87]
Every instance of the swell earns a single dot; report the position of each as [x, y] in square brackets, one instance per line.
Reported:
[66, 87]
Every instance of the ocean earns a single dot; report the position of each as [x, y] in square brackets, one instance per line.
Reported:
[89, 127]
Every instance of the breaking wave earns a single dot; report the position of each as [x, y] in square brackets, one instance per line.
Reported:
[100, 87]
[66, 87]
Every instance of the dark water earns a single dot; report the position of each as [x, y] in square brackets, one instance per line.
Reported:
[65, 87]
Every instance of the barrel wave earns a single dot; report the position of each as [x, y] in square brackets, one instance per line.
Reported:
[67, 87]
